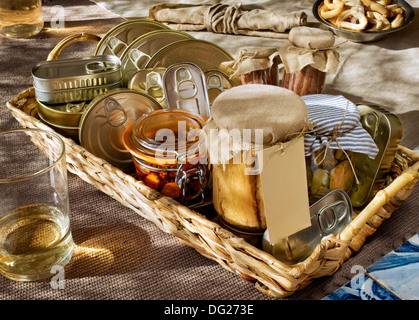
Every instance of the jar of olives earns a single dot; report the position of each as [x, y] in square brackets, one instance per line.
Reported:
[329, 169]
[165, 147]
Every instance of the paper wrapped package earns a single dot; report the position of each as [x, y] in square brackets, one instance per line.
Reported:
[229, 19]
[256, 147]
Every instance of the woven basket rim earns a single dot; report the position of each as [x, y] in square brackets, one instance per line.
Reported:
[268, 274]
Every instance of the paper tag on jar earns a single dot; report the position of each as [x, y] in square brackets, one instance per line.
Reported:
[284, 187]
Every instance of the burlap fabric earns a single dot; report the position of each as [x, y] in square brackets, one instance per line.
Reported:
[120, 255]
[310, 46]
[224, 18]
[252, 59]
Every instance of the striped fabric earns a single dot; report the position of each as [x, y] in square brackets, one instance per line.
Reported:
[326, 113]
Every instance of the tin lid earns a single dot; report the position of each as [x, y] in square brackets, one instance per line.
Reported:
[116, 40]
[74, 73]
[185, 88]
[105, 120]
[217, 82]
[206, 55]
[140, 51]
[165, 136]
[149, 81]
[67, 114]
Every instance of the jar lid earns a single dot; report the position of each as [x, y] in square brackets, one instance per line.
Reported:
[106, 119]
[165, 135]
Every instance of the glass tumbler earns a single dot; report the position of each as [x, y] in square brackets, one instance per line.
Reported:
[35, 234]
[21, 18]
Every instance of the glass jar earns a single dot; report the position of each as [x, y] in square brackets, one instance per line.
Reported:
[330, 171]
[165, 147]
[308, 80]
[263, 76]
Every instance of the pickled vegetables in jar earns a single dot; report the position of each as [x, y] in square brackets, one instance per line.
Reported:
[329, 169]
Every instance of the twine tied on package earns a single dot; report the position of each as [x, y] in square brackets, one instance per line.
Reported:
[336, 125]
[227, 19]
[252, 59]
[277, 113]
[310, 46]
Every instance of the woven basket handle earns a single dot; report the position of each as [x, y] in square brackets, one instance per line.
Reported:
[55, 53]
[382, 197]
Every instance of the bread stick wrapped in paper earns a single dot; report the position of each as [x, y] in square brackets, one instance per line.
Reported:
[255, 144]
[230, 19]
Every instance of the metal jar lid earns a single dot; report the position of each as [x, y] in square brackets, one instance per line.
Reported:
[149, 81]
[140, 51]
[116, 40]
[105, 120]
[142, 140]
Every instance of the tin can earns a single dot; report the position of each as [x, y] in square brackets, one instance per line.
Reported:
[206, 55]
[173, 166]
[217, 82]
[185, 88]
[386, 130]
[67, 115]
[76, 79]
[117, 39]
[330, 215]
[105, 120]
[68, 132]
[140, 51]
[149, 81]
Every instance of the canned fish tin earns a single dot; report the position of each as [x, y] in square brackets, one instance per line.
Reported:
[386, 130]
[185, 88]
[105, 120]
[149, 81]
[175, 167]
[206, 55]
[67, 115]
[117, 40]
[140, 51]
[75, 79]
[330, 215]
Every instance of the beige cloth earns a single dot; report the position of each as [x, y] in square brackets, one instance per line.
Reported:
[230, 19]
[280, 114]
[252, 59]
[310, 46]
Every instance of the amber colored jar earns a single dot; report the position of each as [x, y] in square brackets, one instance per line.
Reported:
[264, 76]
[306, 81]
[330, 171]
[172, 166]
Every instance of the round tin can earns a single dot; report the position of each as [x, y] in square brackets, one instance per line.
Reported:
[149, 81]
[105, 120]
[66, 115]
[206, 55]
[116, 40]
[173, 166]
[140, 51]
[68, 132]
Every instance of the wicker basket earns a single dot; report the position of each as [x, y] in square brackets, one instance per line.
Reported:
[207, 237]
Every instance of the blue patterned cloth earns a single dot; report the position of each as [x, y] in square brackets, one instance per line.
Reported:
[326, 113]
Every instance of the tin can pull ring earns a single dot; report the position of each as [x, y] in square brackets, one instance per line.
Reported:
[136, 55]
[115, 114]
[55, 53]
[113, 43]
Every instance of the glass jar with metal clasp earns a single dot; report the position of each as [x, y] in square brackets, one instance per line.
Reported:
[165, 147]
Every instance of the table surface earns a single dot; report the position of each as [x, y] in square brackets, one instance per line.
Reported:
[120, 255]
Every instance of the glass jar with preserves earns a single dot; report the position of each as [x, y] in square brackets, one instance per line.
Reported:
[165, 147]
[307, 57]
[333, 143]
[256, 65]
